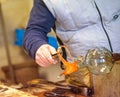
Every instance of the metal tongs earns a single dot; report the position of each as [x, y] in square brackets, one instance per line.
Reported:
[70, 67]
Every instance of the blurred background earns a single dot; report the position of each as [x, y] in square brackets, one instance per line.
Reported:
[17, 67]
[15, 64]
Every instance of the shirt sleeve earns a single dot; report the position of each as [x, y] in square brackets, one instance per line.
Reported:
[40, 23]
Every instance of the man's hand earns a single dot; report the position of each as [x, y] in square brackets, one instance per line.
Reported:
[44, 54]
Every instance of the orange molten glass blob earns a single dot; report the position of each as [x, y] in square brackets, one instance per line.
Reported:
[70, 67]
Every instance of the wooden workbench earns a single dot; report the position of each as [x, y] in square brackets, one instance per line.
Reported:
[38, 88]
[104, 86]
[6, 91]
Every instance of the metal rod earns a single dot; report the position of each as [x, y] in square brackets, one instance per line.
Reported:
[11, 69]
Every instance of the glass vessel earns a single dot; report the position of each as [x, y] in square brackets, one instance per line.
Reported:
[98, 60]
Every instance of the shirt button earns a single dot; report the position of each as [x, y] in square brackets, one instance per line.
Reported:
[115, 16]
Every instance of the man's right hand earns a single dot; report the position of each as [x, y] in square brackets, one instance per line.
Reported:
[44, 54]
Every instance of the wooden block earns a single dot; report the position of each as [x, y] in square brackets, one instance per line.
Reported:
[108, 85]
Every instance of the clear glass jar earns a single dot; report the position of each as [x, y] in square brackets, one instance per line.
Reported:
[98, 60]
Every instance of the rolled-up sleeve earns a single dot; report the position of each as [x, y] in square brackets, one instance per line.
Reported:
[40, 23]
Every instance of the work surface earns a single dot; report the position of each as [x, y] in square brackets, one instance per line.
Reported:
[40, 88]
[104, 86]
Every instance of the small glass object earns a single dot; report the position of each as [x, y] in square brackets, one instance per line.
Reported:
[98, 60]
